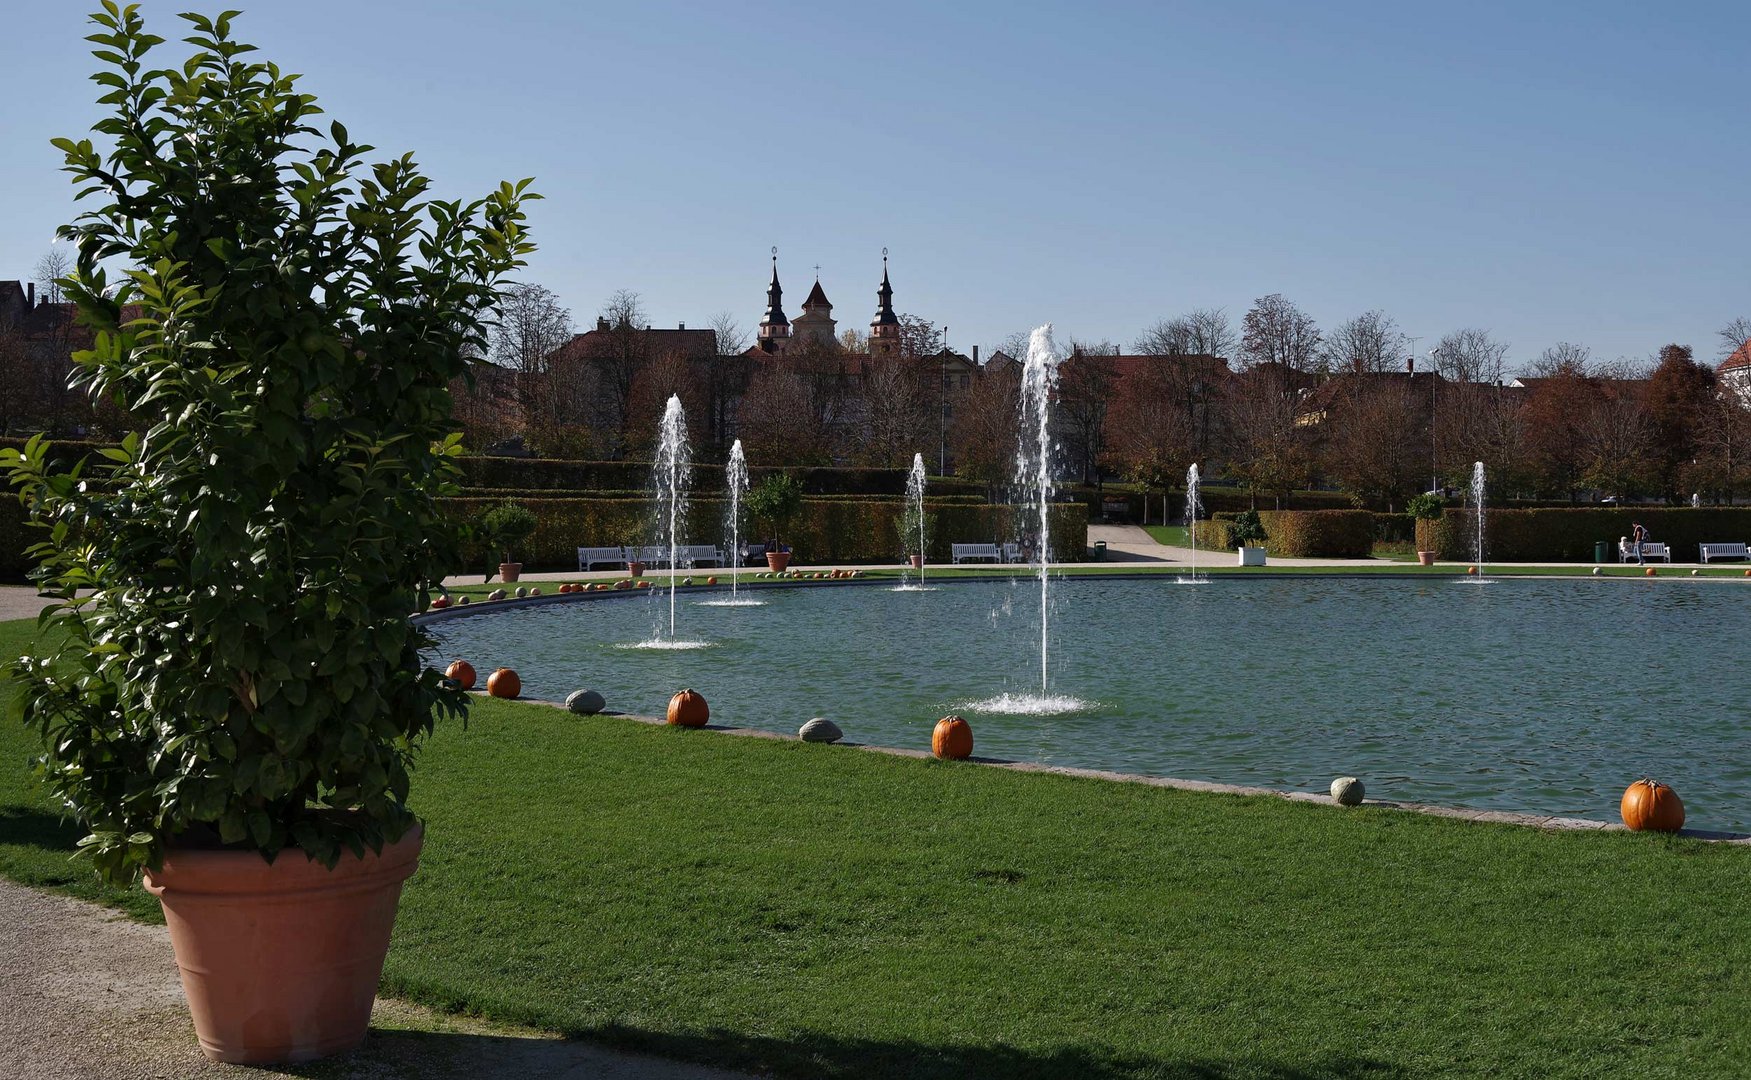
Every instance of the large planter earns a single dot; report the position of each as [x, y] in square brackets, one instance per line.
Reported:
[917, 562]
[1426, 558]
[635, 569]
[509, 571]
[1251, 556]
[280, 960]
[776, 561]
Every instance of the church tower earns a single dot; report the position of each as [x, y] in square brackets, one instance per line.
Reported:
[884, 329]
[774, 327]
[816, 324]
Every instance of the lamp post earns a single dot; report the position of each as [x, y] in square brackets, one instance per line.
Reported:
[942, 410]
[1434, 470]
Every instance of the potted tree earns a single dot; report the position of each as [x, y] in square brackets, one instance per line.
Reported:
[231, 690]
[506, 526]
[1426, 507]
[1247, 535]
[775, 502]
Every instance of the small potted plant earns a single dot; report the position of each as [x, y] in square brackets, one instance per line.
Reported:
[230, 692]
[1247, 535]
[915, 532]
[1428, 506]
[776, 501]
[506, 526]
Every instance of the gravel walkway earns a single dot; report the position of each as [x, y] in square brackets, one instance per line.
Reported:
[19, 602]
[88, 994]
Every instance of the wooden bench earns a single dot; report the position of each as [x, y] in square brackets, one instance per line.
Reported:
[1724, 551]
[1650, 550]
[591, 557]
[969, 552]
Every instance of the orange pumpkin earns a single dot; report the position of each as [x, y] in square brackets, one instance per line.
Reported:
[1651, 805]
[711, 581]
[688, 709]
[440, 601]
[953, 738]
[463, 672]
[1650, 571]
[504, 683]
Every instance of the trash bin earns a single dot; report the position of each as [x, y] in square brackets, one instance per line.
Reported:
[1601, 550]
[1100, 551]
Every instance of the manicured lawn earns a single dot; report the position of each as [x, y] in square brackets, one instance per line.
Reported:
[1171, 535]
[820, 911]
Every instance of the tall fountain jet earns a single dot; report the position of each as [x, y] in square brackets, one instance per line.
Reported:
[915, 503]
[1033, 464]
[1194, 509]
[1477, 504]
[736, 473]
[673, 472]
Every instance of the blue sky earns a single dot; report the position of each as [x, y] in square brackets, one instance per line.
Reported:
[1551, 172]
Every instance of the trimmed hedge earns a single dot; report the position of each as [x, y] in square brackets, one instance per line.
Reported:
[1302, 534]
[827, 531]
[1569, 535]
[642, 493]
[551, 474]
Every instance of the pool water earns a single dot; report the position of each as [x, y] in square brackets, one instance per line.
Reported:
[1539, 696]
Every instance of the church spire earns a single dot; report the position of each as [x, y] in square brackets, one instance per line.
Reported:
[884, 329]
[774, 327]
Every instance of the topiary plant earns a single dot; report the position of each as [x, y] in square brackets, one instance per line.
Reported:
[1245, 530]
[506, 526]
[1426, 507]
[238, 665]
[776, 501]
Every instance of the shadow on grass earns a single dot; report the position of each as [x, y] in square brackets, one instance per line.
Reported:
[31, 827]
[490, 1056]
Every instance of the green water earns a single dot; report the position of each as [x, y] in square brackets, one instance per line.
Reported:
[1529, 695]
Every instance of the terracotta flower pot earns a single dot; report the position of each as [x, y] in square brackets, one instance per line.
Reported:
[280, 960]
[1425, 558]
[508, 571]
[635, 569]
[777, 560]
[917, 562]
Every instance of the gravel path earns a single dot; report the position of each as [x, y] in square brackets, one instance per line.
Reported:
[88, 994]
[19, 602]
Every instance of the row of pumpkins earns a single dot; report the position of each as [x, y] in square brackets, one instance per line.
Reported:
[1646, 805]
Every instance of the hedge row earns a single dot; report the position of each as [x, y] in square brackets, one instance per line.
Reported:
[1569, 535]
[519, 494]
[1302, 534]
[1218, 501]
[827, 531]
[546, 474]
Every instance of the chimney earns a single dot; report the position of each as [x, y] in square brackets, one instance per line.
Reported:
[30, 294]
[975, 356]
[680, 326]
[1118, 350]
[601, 324]
[1410, 365]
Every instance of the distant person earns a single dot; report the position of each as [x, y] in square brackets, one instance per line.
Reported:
[1638, 535]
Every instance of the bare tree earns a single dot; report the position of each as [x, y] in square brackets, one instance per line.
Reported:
[1366, 451]
[531, 326]
[1471, 355]
[985, 435]
[617, 364]
[898, 413]
[1268, 448]
[1615, 436]
[732, 338]
[779, 422]
[1085, 391]
[1370, 342]
[1736, 335]
[1275, 331]
[1151, 438]
[853, 340]
[1565, 358]
[1204, 332]
[49, 270]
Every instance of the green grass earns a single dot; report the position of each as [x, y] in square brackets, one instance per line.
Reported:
[820, 911]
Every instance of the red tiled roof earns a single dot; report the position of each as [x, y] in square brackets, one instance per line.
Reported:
[817, 298]
[1741, 358]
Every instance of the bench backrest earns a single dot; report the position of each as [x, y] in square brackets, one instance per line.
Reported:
[697, 550]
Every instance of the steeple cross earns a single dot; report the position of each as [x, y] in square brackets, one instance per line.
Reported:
[817, 271]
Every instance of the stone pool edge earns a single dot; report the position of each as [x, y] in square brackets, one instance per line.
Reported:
[1548, 822]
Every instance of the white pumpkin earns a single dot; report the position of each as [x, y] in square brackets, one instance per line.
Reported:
[1347, 790]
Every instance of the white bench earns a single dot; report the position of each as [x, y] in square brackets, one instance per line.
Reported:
[1724, 551]
[1012, 552]
[589, 558]
[969, 552]
[1650, 550]
[693, 555]
[652, 555]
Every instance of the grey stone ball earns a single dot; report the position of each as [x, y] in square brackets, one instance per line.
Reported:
[496, 594]
[536, 591]
[521, 592]
[820, 729]
[465, 600]
[585, 702]
[1347, 790]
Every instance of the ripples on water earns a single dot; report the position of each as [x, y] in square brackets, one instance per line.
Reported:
[1538, 696]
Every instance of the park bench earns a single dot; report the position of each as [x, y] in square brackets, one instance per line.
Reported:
[969, 552]
[591, 557]
[753, 555]
[1012, 552]
[652, 555]
[1650, 550]
[693, 555]
[1724, 551]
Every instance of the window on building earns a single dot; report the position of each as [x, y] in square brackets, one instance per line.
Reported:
[948, 382]
[964, 381]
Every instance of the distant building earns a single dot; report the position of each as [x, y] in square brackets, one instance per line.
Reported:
[1735, 373]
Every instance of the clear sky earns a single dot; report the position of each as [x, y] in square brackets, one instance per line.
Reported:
[1575, 171]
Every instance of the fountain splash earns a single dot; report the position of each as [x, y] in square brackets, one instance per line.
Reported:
[914, 517]
[672, 473]
[1476, 498]
[1194, 509]
[736, 475]
[1033, 475]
